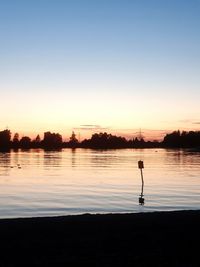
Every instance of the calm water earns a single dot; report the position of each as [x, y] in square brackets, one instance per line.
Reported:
[83, 180]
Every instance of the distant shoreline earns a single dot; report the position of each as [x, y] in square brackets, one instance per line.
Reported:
[100, 140]
[189, 149]
[134, 239]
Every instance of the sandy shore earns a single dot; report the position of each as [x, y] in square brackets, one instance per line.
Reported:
[148, 239]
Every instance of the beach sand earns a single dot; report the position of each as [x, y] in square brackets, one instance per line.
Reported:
[144, 239]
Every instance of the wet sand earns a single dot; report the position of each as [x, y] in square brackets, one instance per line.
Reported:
[145, 239]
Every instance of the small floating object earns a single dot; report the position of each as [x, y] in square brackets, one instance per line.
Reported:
[19, 166]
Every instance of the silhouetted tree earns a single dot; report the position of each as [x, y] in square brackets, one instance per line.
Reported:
[173, 139]
[36, 143]
[5, 139]
[104, 141]
[16, 140]
[52, 140]
[184, 139]
[38, 139]
[140, 143]
[25, 142]
[73, 141]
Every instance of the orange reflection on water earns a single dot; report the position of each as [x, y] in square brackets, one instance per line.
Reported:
[38, 183]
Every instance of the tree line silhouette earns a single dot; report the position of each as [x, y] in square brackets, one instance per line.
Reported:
[182, 139]
[104, 140]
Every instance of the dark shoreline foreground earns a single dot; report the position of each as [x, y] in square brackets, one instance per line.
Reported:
[145, 239]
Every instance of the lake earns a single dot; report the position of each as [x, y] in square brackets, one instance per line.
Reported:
[47, 183]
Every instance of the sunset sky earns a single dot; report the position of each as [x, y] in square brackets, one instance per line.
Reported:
[92, 65]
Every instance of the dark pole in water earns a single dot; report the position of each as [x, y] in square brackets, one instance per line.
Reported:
[141, 166]
[142, 181]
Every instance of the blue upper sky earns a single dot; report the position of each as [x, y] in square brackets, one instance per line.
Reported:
[129, 49]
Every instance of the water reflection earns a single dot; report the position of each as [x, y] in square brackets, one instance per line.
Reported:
[73, 181]
[15, 157]
[5, 164]
[73, 161]
[179, 158]
[100, 159]
[52, 159]
[141, 197]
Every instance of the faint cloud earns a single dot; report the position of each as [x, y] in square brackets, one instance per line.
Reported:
[91, 127]
[186, 121]
[179, 121]
[190, 121]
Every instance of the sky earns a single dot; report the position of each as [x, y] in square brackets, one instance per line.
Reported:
[99, 65]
